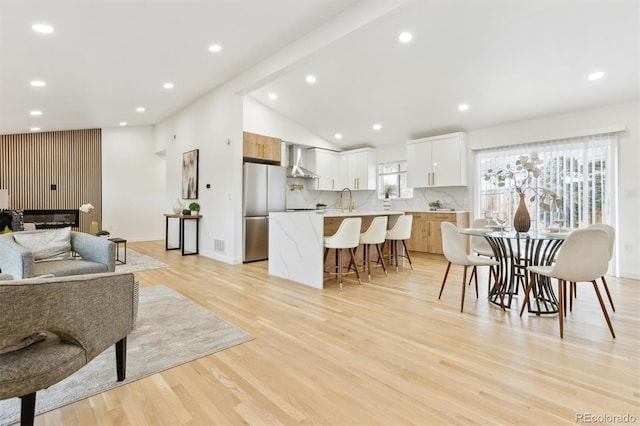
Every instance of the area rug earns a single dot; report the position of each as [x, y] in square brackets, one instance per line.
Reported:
[170, 330]
[137, 262]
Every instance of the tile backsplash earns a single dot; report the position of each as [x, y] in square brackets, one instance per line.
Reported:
[456, 198]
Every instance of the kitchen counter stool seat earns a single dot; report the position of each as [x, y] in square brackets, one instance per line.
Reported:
[374, 235]
[346, 237]
[401, 231]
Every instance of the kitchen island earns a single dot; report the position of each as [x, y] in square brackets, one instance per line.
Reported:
[296, 241]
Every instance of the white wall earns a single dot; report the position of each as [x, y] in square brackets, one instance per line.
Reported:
[133, 184]
[212, 124]
[257, 118]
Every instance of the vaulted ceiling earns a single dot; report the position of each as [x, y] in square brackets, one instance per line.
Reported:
[507, 60]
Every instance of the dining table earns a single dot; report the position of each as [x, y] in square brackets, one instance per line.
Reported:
[514, 252]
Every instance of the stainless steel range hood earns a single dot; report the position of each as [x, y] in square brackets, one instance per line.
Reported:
[294, 161]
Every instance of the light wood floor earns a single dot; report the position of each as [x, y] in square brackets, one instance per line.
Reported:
[381, 353]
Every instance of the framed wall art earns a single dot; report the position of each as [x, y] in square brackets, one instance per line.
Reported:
[190, 175]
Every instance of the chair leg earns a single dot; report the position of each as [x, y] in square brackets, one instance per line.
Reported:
[384, 268]
[445, 280]
[572, 287]
[121, 358]
[27, 409]
[464, 287]
[526, 293]
[606, 289]
[339, 259]
[492, 271]
[564, 302]
[353, 259]
[604, 310]
[404, 244]
[561, 288]
[475, 273]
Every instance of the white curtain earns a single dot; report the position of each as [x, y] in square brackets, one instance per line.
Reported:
[580, 170]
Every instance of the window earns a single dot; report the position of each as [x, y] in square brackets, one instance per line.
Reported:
[393, 177]
[579, 170]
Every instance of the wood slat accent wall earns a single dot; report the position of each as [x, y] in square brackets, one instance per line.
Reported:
[72, 160]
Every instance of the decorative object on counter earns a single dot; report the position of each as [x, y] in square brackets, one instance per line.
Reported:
[194, 208]
[186, 212]
[88, 208]
[321, 206]
[388, 191]
[435, 205]
[190, 175]
[103, 233]
[177, 206]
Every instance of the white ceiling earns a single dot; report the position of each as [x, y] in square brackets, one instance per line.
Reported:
[509, 60]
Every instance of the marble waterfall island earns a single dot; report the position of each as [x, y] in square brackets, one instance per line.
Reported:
[296, 250]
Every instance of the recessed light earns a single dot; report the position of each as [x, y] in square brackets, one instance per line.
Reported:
[376, 126]
[338, 136]
[168, 85]
[140, 109]
[42, 28]
[596, 75]
[35, 129]
[215, 48]
[123, 123]
[405, 37]
[273, 96]
[35, 112]
[311, 79]
[38, 83]
[463, 107]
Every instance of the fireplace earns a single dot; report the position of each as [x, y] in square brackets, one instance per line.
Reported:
[46, 219]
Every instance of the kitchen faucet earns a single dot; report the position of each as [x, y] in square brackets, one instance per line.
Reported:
[351, 205]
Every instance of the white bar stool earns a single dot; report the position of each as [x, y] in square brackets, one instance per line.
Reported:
[374, 235]
[401, 231]
[346, 237]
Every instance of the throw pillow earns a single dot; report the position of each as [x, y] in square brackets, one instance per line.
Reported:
[54, 244]
[19, 341]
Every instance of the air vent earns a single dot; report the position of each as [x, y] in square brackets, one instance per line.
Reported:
[218, 245]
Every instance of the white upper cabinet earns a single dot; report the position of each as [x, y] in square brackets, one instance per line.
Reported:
[359, 168]
[354, 169]
[437, 161]
[325, 164]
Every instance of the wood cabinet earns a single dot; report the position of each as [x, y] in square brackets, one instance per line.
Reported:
[425, 232]
[326, 164]
[437, 161]
[260, 147]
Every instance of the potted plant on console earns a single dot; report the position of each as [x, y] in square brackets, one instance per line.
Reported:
[195, 208]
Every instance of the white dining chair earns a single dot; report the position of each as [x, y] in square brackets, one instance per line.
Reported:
[347, 237]
[374, 235]
[611, 234]
[480, 246]
[456, 253]
[583, 257]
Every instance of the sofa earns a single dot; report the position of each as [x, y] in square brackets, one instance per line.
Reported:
[28, 254]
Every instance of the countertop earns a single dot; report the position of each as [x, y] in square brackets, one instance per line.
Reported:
[355, 213]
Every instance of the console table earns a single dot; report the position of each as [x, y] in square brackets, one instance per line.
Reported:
[182, 218]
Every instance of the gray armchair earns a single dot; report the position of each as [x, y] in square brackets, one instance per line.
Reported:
[97, 255]
[79, 316]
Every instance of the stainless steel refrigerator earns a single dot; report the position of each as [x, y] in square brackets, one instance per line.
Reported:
[264, 189]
